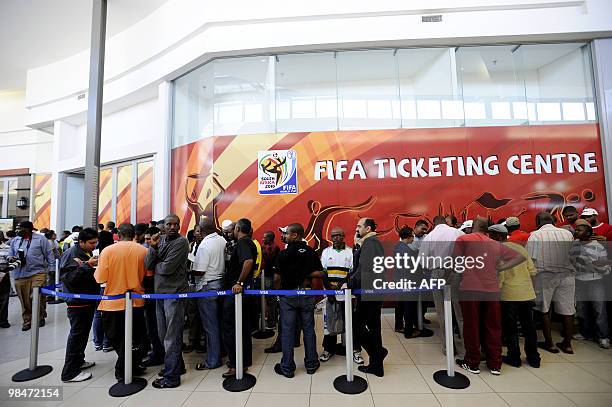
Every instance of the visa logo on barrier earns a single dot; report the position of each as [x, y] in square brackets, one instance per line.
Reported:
[264, 292]
[339, 292]
[77, 295]
[301, 293]
[105, 297]
[182, 295]
[220, 292]
[145, 296]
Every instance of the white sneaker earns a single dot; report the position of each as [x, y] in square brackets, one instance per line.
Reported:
[604, 343]
[357, 358]
[81, 377]
[325, 356]
[87, 365]
[578, 337]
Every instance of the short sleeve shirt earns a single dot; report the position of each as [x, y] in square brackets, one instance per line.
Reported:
[243, 250]
[295, 264]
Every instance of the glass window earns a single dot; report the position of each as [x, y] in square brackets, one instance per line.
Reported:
[193, 106]
[306, 92]
[244, 96]
[558, 82]
[368, 90]
[144, 193]
[492, 90]
[105, 197]
[12, 198]
[430, 96]
[124, 194]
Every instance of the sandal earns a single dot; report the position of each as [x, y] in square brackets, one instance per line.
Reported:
[565, 349]
[551, 349]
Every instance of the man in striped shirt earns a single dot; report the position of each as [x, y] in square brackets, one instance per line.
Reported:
[549, 247]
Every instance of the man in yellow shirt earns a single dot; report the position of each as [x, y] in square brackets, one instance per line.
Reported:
[121, 266]
[517, 302]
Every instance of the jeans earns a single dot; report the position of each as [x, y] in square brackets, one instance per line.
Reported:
[114, 326]
[80, 324]
[293, 309]
[229, 331]
[208, 308]
[591, 309]
[193, 319]
[519, 311]
[156, 346]
[99, 337]
[170, 321]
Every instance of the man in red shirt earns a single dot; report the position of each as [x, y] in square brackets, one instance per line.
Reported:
[570, 216]
[599, 228]
[482, 257]
[515, 234]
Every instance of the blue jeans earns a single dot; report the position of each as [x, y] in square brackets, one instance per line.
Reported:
[99, 337]
[591, 309]
[209, 314]
[293, 309]
[170, 321]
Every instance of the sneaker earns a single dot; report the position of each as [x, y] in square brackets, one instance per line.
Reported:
[87, 365]
[325, 356]
[312, 370]
[604, 343]
[357, 358]
[97, 348]
[495, 372]
[578, 337]
[108, 349]
[81, 377]
[462, 364]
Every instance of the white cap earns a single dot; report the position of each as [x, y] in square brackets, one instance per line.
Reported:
[589, 212]
[467, 224]
[226, 223]
[283, 229]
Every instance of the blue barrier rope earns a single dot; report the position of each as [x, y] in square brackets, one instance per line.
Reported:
[50, 290]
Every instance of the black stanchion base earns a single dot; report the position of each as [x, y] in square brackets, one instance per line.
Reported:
[358, 385]
[123, 390]
[458, 381]
[27, 374]
[235, 385]
[265, 334]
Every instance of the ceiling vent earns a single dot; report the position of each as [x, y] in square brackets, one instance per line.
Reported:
[80, 96]
[432, 19]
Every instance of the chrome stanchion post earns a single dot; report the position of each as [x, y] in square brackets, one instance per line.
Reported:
[420, 313]
[57, 299]
[242, 381]
[263, 332]
[33, 371]
[129, 385]
[349, 383]
[449, 378]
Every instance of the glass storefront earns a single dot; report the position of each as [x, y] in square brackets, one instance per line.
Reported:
[472, 86]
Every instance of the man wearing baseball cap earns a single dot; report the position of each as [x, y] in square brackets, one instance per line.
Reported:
[515, 234]
[599, 228]
[35, 256]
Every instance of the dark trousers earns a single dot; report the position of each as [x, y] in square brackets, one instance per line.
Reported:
[5, 292]
[519, 311]
[229, 331]
[406, 316]
[152, 340]
[114, 326]
[80, 319]
[195, 324]
[368, 333]
[489, 313]
[294, 309]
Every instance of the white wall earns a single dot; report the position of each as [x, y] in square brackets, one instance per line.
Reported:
[184, 33]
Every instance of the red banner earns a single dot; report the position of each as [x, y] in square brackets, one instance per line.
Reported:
[393, 176]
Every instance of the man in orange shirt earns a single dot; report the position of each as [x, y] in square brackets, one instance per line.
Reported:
[121, 267]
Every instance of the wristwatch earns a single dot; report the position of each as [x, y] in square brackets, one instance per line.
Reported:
[240, 283]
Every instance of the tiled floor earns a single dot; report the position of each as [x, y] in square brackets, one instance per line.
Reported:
[583, 379]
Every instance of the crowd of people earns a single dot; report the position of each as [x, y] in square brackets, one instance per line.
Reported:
[511, 293]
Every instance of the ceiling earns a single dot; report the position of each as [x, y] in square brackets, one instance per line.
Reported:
[34, 33]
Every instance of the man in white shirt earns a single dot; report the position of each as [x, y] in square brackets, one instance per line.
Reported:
[435, 247]
[208, 270]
